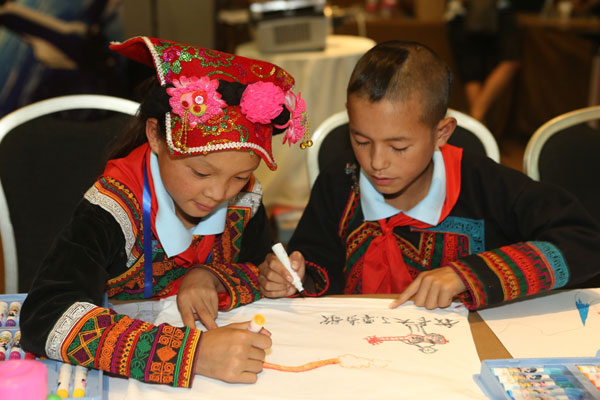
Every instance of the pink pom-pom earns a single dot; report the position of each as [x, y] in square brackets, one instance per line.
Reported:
[261, 102]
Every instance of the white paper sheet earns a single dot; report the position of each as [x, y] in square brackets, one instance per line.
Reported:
[440, 362]
[550, 325]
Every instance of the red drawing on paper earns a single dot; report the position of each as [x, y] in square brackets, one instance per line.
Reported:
[418, 337]
[425, 342]
[344, 361]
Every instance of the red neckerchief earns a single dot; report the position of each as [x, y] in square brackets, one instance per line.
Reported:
[130, 171]
[384, 270]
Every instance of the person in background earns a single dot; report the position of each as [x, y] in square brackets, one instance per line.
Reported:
[422, 219]
[176, 211]
[483, 37]
[52, 48]
[586, 7]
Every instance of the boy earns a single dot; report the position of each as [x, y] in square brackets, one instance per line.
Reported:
[422, 218]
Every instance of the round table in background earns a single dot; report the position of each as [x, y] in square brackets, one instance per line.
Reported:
[321, 77]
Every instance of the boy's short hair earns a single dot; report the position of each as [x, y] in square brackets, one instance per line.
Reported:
[395, 70]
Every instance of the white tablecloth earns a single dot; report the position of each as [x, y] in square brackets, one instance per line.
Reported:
[336, 348]
[321, 77]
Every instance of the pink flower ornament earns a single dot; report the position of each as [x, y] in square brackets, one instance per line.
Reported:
[298, 119]
[196, 99]
[261, 102]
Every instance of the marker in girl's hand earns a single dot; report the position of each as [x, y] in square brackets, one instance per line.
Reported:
[257, 323]
[285, 260]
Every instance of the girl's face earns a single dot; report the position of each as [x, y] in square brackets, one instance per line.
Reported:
[394, 146]
[197, 184]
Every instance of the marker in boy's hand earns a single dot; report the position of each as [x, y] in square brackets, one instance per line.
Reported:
[283, 257]
[275, 280]
[432, 289]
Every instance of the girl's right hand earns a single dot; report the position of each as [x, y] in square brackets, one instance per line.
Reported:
[232, 353]
[198, 298]
[275, 280]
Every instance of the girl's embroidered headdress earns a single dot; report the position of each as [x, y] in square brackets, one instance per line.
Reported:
[221, 101]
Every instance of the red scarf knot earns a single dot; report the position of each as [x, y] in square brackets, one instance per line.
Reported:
[384, 270]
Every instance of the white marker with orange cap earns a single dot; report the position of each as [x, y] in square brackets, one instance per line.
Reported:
[257, 323]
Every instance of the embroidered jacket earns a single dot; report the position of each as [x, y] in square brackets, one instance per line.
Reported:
[507, 236]
[101, 250]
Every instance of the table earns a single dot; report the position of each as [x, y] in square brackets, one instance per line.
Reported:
[487, 344]
[321, 78]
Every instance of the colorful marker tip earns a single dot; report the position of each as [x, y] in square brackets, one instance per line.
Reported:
[257, 323]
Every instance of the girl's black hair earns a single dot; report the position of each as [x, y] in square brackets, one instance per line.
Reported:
[155, 104]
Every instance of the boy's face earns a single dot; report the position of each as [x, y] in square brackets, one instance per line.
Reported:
[197, 184]
[394, 147]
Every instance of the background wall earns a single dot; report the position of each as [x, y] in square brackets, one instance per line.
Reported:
[191, 22]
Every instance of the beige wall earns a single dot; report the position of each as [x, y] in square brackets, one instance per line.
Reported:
[188, 21]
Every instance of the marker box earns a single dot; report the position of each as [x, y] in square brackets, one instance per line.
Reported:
[96, 382]
[541, 378]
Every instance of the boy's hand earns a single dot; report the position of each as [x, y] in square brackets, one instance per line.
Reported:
[274, 279]
[198, 299]
[232, 353]
[432, 289]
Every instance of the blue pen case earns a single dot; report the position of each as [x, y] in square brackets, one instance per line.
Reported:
[541, 378]
[96, 383]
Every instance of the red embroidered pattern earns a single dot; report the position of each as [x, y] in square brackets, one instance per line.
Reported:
[162, 367]
[533, 265]
[477, 297]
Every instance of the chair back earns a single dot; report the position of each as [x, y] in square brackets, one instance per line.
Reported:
[332, 135]
[472, 135]
[51, 154]
[331, 140]
[564, 151]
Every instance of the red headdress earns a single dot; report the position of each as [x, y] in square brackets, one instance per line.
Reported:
[201, 120]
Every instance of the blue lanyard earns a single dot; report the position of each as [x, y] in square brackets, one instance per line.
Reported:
[147, 226]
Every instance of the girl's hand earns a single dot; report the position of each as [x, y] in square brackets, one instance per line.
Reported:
[232, 353]
[198, 299]
[432, 289]
[275, 280]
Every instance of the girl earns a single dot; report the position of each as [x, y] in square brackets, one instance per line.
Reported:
[177, 211]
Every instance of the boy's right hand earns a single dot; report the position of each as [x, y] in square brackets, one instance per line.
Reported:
[232, 353]
[275, 280]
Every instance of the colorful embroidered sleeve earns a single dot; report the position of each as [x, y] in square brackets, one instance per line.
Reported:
[538, 237]
[99, 338]
[236, 256]
[319, 277]
[240, 281]
[61, 317]
[510, 272]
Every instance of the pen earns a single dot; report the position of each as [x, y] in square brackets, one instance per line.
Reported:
[285, 260]
[257, 323]
[80, 381]
[64, 378]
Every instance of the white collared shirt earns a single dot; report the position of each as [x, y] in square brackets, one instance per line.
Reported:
[427, 210]
[174, 237]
